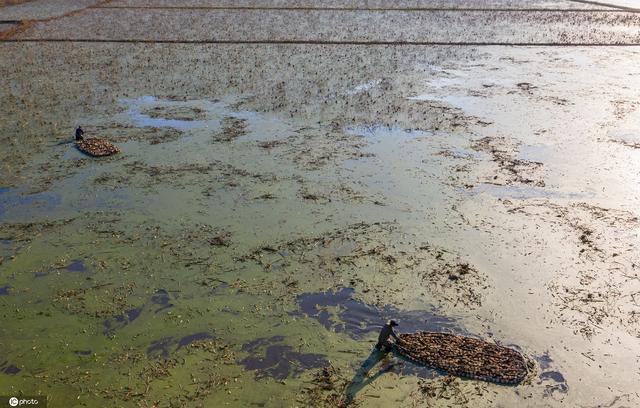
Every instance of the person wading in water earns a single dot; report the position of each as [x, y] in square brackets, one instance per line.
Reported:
[79, 133]
[383, 339]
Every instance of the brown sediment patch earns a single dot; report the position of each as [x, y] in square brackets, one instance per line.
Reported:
[353, 252]
[328, 389]
[183, 113]
[148, 371]
[600, 289]
[271, 144]
[452, 389]
[626, 143]
[510, 169]
[27, 232]
[112, 300]
[623, 107]
[119, 133]
[531, 91]
[314, 149]
[589, 222]
[161, 173]
[232, 128]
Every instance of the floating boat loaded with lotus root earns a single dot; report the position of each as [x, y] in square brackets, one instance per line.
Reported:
[464, 356]
[96, 147]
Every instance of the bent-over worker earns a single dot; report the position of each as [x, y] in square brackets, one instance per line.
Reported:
[385, 333]
[79, 133]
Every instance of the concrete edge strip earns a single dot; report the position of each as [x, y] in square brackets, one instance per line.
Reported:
[25, 24]
[372, 9]
[315, 42]
[599, 3]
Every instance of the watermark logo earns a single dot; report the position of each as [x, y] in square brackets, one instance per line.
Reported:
[23, 401]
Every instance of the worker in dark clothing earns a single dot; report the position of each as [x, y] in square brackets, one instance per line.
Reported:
[385, 333]
[79, 133]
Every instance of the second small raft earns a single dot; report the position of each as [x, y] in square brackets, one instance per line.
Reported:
[96, 147]
[464, 356]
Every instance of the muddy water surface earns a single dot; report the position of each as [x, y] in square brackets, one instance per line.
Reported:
[254, 232]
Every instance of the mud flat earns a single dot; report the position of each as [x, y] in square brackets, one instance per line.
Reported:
[273, 202]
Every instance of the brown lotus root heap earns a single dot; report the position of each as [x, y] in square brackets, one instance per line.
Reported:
[96, 147]
[464, 356]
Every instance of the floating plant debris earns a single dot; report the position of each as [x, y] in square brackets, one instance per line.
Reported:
[464, 356]
[97, 147]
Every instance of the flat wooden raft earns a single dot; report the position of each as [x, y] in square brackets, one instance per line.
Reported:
[96, 147]
[464, 356]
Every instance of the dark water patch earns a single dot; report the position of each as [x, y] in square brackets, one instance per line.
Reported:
[4, 190]
[40, 201]
[161, 298]
[227, 309]
[160, 348]
[166, 345]
[40, 274]
[409, 368]
[186, 340]
[279, 361]
[219, 289]
[83, 352]
[544, 361]
[253, 345]
[553, 375]
[340, 312]
[121, 320]
[10, 369]
[77, 265]
[4, 290]
[553, 380]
